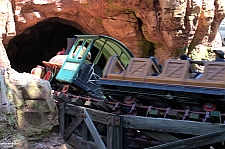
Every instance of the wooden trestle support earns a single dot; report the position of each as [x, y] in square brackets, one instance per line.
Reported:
[88, 128]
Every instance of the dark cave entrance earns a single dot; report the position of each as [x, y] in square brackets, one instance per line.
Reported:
[39, 43]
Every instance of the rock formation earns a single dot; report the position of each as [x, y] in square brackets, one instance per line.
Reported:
[26, 104]
[7, 28]
[159, 27]
[34, 106]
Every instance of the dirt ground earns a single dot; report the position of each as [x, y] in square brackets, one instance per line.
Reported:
[53, 141]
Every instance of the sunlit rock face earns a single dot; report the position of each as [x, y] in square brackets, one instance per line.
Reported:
[26, 104]
[31, 103]
[160, 27]
[7, 29]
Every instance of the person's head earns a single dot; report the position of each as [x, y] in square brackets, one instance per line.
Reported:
[219, 54]
[184, 57]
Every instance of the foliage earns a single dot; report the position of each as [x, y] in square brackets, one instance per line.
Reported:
[202, 53]
[146, 47]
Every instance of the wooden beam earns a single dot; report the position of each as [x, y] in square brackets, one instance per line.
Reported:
[95, 115]
[115, 135]
[194, 142]
[73, 110]
[93, 131]
[72, 126]
[169, 125]
[160, 136]
[137, 67]
[62, 118]
[214, 73]
[80, 143]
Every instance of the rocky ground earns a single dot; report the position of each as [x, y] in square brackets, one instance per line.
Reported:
[16, 141]
[53, 141]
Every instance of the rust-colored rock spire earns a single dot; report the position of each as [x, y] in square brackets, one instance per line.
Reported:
[7, 28]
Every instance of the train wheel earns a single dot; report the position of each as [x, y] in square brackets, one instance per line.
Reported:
[208, 107]
[129, 99]
[48, 76]
[65, 88]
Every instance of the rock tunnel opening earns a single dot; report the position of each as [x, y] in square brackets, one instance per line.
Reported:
[39, 43]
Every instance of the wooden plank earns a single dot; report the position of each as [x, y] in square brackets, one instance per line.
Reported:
[85, 132]
[62, 119]
[174, 70]
[214, 73]
[99, 116]
[114, 136]
[73, 110]
[93, 131]
[96, 115]
[176, 74]
[160, 136]
[111, 137]
[194, 142]
[72, 126]
[168, 125]
[80, 143]
[138, 67]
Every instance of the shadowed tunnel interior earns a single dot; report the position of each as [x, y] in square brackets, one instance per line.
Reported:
[39, 43]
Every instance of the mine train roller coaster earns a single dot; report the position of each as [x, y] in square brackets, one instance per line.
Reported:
[103, 91]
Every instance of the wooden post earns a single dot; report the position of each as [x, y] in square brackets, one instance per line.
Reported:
[62, 119]
[114, 133]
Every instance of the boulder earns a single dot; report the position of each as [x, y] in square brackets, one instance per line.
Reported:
[35, 109]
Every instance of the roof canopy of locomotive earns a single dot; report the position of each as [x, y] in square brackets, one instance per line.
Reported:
[104, 68]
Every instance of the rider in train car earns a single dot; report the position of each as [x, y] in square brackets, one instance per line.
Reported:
[185, 57]
[219, 55]
[88, 58]
[193, 72]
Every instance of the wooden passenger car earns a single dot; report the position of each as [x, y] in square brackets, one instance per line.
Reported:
[175, 82]
[174, 72]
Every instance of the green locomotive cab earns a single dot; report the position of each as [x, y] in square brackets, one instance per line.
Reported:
[87, 59]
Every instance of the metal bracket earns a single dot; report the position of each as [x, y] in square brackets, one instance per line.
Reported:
[113, 120]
